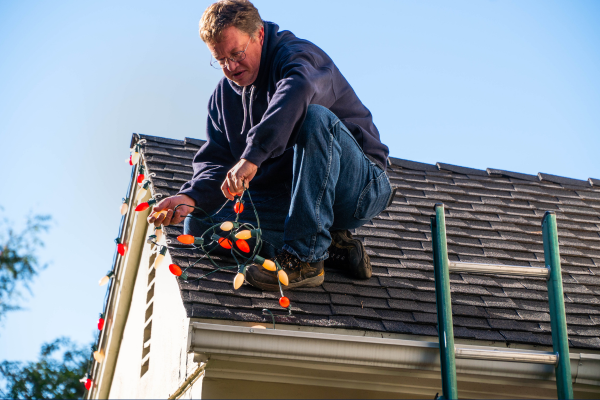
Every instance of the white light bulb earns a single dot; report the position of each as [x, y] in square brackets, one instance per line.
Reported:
[141, 194]
[104, 280]
[124, 208]
[158, 261]
[159, 234]
[99, 356]
[227, 226]
[135, 157]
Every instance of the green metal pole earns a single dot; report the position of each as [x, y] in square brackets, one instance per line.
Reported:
[443, 303]
[558, 320]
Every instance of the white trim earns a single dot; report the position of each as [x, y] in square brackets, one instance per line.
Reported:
[231, 340]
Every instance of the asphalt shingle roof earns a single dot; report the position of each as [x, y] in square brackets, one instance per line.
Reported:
[493, 216]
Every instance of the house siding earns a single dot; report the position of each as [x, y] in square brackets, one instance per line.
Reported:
[153, 360]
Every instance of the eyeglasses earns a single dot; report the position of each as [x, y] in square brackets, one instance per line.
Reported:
[235, 57]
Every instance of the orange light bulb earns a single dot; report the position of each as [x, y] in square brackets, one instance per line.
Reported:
[237, 282]
[284, 302]
[186, 239]
[225, 243]
[238, 208]
[269, 265]
[283, 278]
[243, 245]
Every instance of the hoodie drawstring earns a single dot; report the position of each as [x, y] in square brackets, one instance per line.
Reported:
[250, 108]
[251, 98]
[244, 105]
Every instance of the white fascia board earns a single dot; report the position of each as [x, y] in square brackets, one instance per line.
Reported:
[208, 339]
[134, 230]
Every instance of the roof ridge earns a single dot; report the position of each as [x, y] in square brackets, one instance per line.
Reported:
[420, 166]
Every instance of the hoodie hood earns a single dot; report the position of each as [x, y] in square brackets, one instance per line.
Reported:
[273, 40]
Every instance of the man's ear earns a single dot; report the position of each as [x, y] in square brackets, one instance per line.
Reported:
[261, 35]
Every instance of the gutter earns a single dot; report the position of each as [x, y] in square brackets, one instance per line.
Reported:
[212, 339]
[120, 296]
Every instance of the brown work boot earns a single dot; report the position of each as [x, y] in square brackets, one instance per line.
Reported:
[300, 273]
[349, 255]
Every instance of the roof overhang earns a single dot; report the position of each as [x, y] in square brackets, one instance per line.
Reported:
[370, 363]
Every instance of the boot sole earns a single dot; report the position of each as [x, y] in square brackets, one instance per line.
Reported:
[305, 283]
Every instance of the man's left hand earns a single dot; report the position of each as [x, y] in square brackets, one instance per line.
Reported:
[238, 178]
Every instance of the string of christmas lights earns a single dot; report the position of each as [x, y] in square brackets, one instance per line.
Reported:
[97, 354]
[230, 235]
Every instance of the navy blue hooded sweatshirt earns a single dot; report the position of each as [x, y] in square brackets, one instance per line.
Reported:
[260, 123]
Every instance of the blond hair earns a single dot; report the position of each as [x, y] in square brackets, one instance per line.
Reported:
[225, 13]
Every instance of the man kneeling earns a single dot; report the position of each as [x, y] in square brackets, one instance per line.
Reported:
[285, 124]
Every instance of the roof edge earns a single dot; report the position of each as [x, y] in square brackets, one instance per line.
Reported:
[359, 350]
[461, 170]
[562, 180]
[510, 174]
[414, 165]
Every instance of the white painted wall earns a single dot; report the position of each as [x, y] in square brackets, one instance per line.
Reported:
[168, 363]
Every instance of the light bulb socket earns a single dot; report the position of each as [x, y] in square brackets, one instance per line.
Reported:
[259, 260]
[158, 228]
[184, 276]
[146, 184]
[152, 202]
[163, 251]
[141, 169]
[125, 200]
[110, 274]
[102, 315]
[118, 240]
[199, 241]
[151, 239]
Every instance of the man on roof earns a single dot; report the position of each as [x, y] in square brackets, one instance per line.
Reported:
[285, 124]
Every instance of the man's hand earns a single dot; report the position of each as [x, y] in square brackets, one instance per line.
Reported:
[157, 218]
[238, 178]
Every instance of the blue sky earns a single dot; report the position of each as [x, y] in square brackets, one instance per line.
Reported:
[505, 84]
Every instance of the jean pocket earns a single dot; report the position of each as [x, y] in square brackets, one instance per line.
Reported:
[374, 198]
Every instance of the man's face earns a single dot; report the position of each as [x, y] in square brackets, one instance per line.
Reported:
[233, 41]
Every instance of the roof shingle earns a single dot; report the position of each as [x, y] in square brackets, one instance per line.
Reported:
[493, 216]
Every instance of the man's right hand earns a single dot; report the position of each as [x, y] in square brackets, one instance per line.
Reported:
[169, 204]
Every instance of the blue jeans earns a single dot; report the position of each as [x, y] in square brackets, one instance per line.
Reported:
[334, 187]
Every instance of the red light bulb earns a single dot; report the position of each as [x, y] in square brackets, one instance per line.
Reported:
[238, 208]
[186, 239]
[175, 269]
[88, 384]
[121, 248]
[226, 243]
[101, 324]
[130, 161]
[284, 302]
[142, 206]
[243, 245]
[140, 178]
